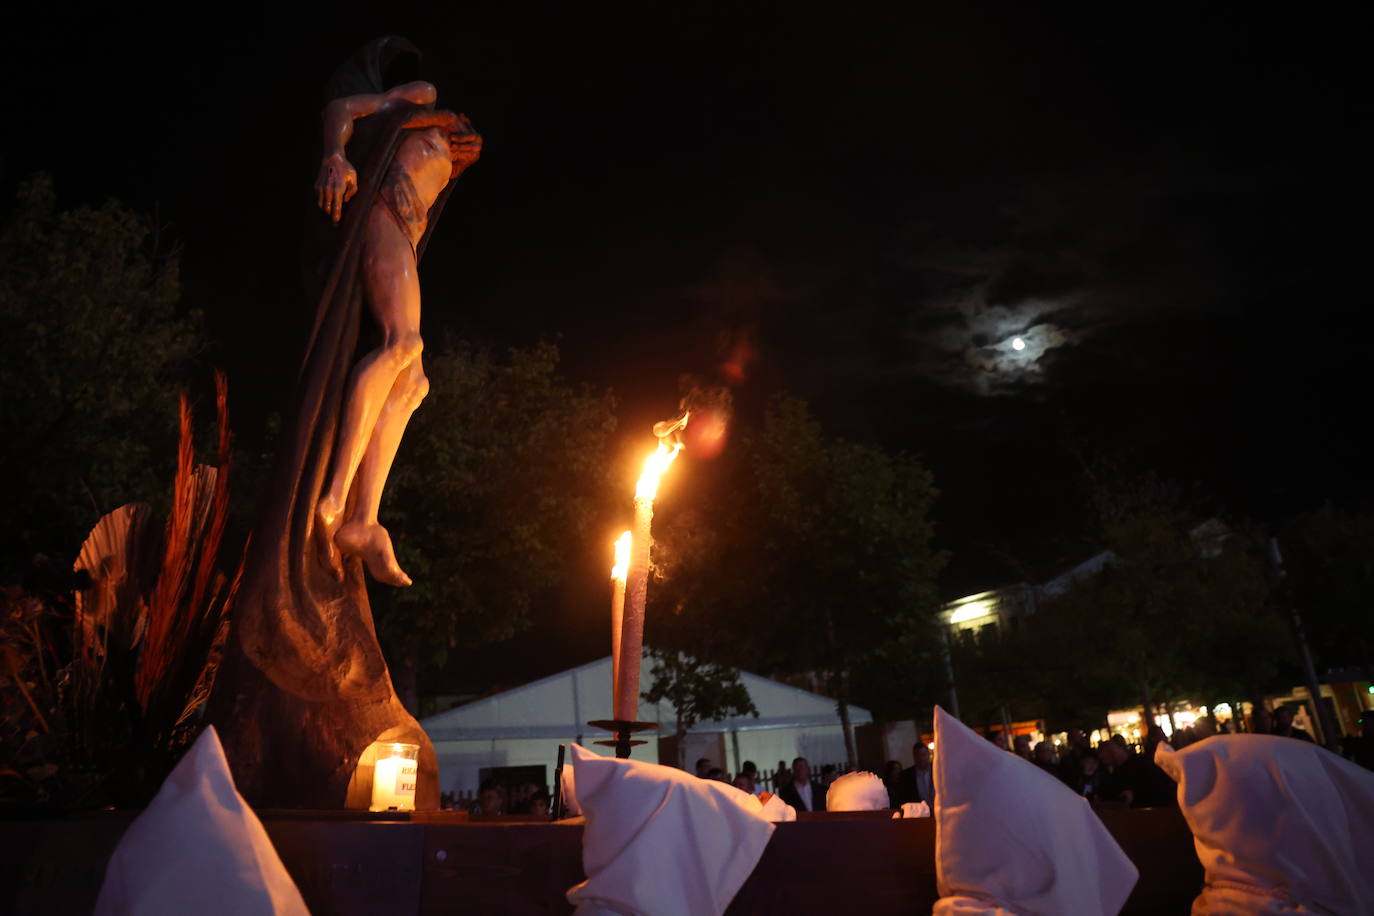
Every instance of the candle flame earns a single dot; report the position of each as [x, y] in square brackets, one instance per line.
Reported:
[654, 466]
[669, 434]
[622, 558]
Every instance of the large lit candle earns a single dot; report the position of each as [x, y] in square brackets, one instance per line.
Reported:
[637, 583]
[618, 572]
[394, 777]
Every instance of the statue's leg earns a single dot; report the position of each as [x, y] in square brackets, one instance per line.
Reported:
[362, 535]
[392, 291]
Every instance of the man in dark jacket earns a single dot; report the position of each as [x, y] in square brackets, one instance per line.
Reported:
[917, 783]
[802, 792]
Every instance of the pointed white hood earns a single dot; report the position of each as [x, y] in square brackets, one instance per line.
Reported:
[661, 842]
[198, 848]
[1012, 839]
[1281, 825]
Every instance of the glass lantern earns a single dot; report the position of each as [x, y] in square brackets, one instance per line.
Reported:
[394, 778]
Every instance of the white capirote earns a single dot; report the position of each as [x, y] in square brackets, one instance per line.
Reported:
[1281, 825]
[661, 842]
[1012, 839]
[198, 848]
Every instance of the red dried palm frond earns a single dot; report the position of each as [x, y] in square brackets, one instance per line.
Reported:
[187, 608]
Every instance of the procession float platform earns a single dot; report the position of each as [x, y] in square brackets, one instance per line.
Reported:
[450, 862]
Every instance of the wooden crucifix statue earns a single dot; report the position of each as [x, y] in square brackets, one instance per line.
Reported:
[303, 689]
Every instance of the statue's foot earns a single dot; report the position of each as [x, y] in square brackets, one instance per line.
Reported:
[371, 542]
[328, 515]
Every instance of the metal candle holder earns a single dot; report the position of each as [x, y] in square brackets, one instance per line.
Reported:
[623, 729]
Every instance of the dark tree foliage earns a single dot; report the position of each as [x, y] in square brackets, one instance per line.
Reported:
[90, 340]
[1021, 673]
[698, 690]
[502, 469]
[1329, 558]
[1182, 609]
[811, 557]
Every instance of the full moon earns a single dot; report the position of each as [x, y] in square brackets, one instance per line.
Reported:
[1018, 344]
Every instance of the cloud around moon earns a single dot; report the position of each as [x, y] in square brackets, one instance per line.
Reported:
[965, 342]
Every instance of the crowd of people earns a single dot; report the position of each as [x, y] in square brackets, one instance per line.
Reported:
[1112, 773]
[795, 784]
[493, 797]
[1117, 773]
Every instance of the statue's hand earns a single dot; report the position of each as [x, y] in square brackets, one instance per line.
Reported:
[464, 145]
[337, 184]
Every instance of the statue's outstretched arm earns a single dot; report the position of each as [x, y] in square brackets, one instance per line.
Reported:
[338, 180]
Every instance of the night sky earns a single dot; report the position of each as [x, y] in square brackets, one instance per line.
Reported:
[1171, 210]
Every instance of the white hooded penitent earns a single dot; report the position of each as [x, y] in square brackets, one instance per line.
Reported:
[661, 842]
[1281, 825]
[198, 848]
[1012, 839]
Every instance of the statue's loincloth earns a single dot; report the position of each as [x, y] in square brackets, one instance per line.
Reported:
[399, 194]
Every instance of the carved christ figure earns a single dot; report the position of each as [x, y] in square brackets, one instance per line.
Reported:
[388, 383]
[303, 689]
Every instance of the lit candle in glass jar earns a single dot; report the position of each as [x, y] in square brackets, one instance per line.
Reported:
[394, 777]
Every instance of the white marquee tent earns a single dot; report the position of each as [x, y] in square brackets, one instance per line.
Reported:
[525, 725]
